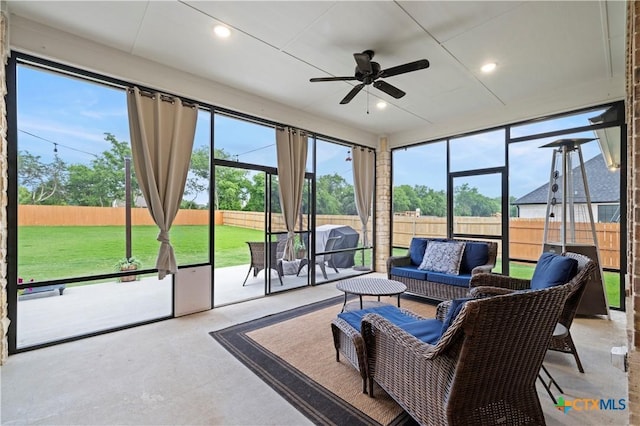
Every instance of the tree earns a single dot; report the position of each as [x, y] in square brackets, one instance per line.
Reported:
[103, 181]
[255, 202]
[198, 177]
[431, 202]
[404, 199]
[231, 185]
[45, 183]
[469, 202]
[82, 187]
[334, 195]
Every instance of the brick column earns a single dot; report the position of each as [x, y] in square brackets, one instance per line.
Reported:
[4, 54]
[633, 207]
[383, 205]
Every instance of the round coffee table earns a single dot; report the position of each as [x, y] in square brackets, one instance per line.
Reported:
[370, 287]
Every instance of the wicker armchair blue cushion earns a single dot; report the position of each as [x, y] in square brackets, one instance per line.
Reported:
[389, 312]
[553, 269]
[426, 330]
[482, 370]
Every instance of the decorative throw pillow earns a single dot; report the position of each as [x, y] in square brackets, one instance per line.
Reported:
[443, 257]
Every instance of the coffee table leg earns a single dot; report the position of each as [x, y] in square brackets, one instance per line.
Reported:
[398, 300]
[360, 302]
[344, 305]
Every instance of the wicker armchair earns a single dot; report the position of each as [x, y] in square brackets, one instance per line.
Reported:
[482, 370]
[560, 342]
[258, 257]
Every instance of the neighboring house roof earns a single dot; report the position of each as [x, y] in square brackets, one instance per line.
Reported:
[604, 185]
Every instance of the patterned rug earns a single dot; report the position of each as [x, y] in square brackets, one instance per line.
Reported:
[293, 352]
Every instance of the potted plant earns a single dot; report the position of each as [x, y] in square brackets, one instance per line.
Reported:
[127, 264]
[300, 249]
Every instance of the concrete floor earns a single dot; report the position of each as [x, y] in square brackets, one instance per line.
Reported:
[47, 316]
[173, 372]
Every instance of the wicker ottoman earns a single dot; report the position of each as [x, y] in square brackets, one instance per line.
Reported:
[348, 340]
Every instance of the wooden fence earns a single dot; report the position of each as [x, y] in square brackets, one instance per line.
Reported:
[30, 215]
[525, 234]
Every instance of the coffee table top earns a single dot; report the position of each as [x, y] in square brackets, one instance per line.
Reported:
[371, 286]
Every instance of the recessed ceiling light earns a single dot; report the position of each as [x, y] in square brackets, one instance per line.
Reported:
[222, 31]
[381, 105]
[488, 67]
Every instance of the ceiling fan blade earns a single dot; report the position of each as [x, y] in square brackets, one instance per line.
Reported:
[401, 69]
[388, 89]
[351, 94]
[364, 62]
[313, 80]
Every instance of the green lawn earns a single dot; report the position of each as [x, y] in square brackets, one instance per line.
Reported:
[51, 252]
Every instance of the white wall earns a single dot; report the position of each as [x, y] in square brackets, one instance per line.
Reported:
[536, 211]
[42, 41]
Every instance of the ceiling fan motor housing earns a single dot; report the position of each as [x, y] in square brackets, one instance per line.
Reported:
[366, 77]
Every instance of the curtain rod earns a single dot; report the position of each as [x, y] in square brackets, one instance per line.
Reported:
[163, 97]
[291, 129]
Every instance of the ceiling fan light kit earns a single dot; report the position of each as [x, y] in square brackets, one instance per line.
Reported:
[368, 73]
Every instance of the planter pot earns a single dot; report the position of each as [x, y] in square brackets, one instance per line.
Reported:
[128, 277]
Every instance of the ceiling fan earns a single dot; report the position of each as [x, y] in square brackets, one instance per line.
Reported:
[368, 72]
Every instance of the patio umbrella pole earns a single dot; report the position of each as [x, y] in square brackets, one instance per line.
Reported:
[127, 206]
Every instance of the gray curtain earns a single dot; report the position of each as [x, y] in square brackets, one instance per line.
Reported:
[162, 131]
[363, 182]
[291, 146]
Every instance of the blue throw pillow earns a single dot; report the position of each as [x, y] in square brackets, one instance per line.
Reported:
[454, 310]
[475, 254]
[416, 250]
[553, 269]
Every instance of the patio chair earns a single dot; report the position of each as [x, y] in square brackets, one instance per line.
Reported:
[482, 370]
[321, 259]
[561, 339]
[258, 257]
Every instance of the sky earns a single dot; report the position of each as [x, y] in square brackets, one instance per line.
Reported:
[72, 116]
[530, 165]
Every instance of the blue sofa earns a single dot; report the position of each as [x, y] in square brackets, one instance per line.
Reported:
[477, 257]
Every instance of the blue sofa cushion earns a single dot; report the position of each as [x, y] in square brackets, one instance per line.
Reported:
[409, 272]
[393, 314]
[553, 269]
[452, 313]
[443, 257]
[457, 280]
[428, 330]
[475, 254]
[416, 250]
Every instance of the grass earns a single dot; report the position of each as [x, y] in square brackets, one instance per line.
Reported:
[53, 252]
[230, 245]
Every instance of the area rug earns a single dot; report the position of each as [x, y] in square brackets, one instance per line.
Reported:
[293, 352]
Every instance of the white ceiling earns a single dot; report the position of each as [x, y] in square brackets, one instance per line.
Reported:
[552, 56]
